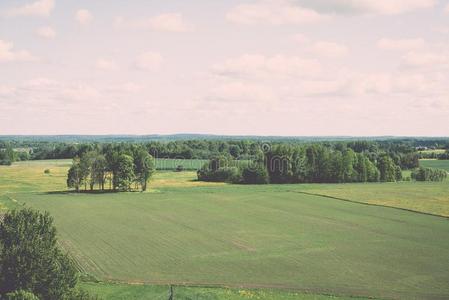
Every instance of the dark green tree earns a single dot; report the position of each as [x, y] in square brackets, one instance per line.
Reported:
[124, 175]
[74, 176]
[30, 259]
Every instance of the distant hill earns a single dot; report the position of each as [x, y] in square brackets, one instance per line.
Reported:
[192, 136]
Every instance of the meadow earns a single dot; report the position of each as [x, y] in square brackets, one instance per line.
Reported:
[435, 163]
[261, 242]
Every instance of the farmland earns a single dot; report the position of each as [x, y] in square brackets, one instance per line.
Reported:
[292, 237]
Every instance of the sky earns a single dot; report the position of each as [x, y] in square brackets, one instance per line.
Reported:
[234, 67]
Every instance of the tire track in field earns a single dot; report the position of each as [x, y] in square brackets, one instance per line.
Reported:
[369, 204]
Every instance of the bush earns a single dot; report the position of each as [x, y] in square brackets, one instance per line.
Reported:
[47, 171]
[428, 174]
[224, 174]
[5, 162]
[79, 294]
[255, 174]
[21, 295]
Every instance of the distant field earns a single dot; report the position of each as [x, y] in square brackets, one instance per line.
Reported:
[435, 163]
[288, 237]
[172, 164]
[436, 151]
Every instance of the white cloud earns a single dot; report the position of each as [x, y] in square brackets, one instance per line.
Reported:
[148, 61]
[274, 12]
[426, 60]
[46, 32]
[241, 92]
[45, 92]
[260, 66]
[8, 54]
[171, 22]
[6, 91]
[383, 7]
[42, 8]
[329, 49]
[106, 64]
[295, 81]
[441, 29]
[400, 44]
[446, 9]
[83, 16]
[300, 38]
[126, 88]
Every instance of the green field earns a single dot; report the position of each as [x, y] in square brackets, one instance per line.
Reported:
[435, 163]
[273, 239]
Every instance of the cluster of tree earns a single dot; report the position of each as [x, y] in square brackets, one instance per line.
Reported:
[316, 163]
[32, 267]
[428, 174]
[123, 167]
[8, 155]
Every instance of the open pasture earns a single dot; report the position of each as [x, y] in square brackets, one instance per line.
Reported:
[287, 237]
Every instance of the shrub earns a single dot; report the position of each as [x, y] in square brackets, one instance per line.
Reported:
[255, 174]
[428, 174]
[21, 295]
[224, 174]
[79, 294]
[47, 171]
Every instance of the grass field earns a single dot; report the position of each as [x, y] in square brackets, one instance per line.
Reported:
[435, 163]
[290, 237]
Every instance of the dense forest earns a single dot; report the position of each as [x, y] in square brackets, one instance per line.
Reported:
[315, 163]
[51, 148]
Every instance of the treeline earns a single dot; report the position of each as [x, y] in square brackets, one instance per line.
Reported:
[114, 167]
[317, 163]
[428, 174]
[401, 152]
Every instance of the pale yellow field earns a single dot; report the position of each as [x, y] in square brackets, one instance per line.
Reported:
[29, 176]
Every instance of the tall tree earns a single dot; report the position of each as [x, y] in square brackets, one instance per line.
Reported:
[124, 176]
[387, 168]
[30, 259]
[74, 176]
[143, 167]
